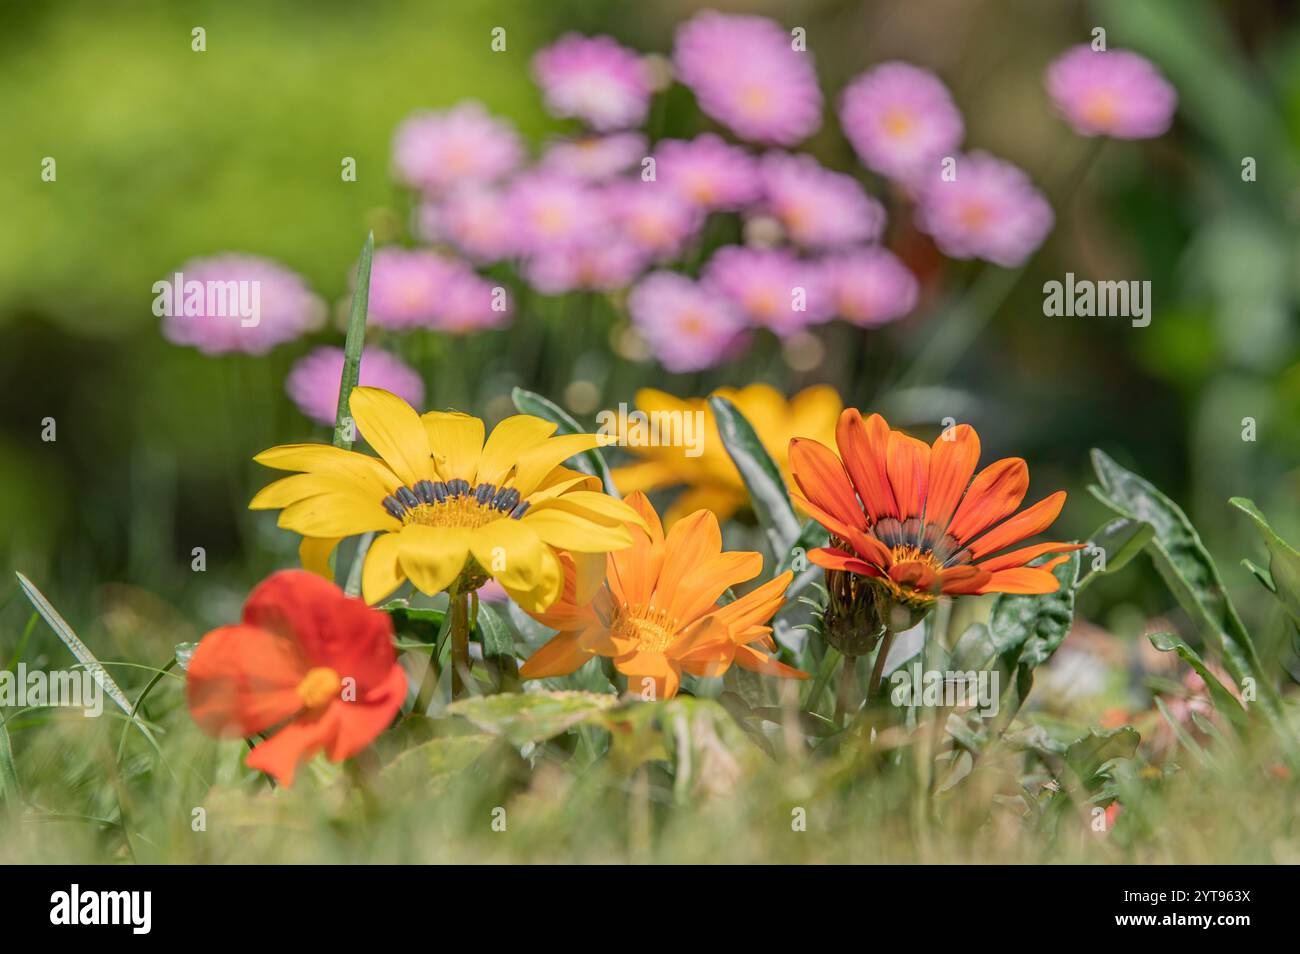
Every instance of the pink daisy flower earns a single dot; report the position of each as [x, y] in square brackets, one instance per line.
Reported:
[746, 74]
[990, 210]
[603, 262]
[207, 316]
[594, 158]
[550, 210]
[687, 326]
[708, 171]
[901, 120]
[593, 79]
[314, 380]
[433, 151]
[407, 287]
[1112, 93]
[470, 303]
[819, 208]
[773, 287]
[869, 286]
[653, 217]
[476, 219]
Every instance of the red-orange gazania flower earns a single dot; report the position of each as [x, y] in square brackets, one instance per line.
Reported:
[655, 612]
[910, 516]
[306, 658]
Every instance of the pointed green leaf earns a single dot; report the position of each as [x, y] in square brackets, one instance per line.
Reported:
[1283, 560]
[352, 345]
[1223, 700]
[767, 491]
[1120, 540]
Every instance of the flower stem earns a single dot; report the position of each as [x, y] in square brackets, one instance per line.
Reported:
[878, 670]
[460, 668]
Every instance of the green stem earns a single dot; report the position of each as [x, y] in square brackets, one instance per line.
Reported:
[460, 667]
[878, 670]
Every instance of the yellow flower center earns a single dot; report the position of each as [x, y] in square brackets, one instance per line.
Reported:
[651, 629]
[453, 504]
[319, 687]
[911, 554]
[1100, 109]
[898, 123]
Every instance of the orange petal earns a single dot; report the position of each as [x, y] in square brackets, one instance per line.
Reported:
[561, 655]
[1022, 556]
[699, 592]
[821, 477]
[281, 754]
[1028, 522]
[953, 457]
[908, 466]
[243, 680]
[1022, 579]
[361, 721]
[918, 576]
[996, 492]
[962, 580]
[832, 559]
[863, 446]
[654, 667]
[749, 658]
[755, 607]
[867, 546]
[693, 541]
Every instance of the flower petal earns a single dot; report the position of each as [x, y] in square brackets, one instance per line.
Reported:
[1025, 524]
[393, 429]
[995, 492]
[953, 458]
[568, 531]
[382, 572]
[863, 446]
[244, 679]
[908, 465]
[1014, 558]
[1022, 579]
[455, 441]
[513, 436]
[821, 477]
[432, 557]
[561, 655]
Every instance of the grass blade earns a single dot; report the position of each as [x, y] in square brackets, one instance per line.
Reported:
[343, 430]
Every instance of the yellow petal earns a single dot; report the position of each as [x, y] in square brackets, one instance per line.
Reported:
[323, 458]
[287, 490]
[382, 572]
[550, 584]
[646, 476]
[314, 555]
[335, 515]
[593, 506]
[456, 441]
[509, 439]
[393, 429]
[432, 557]
[511, 552]
[589, 576]
[561, 481]
[534, 464]
[569, 531]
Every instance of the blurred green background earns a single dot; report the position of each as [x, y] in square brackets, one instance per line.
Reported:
[164, 154]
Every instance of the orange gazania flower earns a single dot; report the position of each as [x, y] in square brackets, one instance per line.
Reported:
[656, 611]
[307, 658]
[909, 516]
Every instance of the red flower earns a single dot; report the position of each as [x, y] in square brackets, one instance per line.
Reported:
[307, 658]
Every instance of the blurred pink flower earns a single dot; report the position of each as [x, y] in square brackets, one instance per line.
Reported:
[775, 288]
[1112, 93]
[869, 286]
[467, 304]
[434, 151]
[476, 219]
[901, 120]
[653, 216]
[990, 210]
[286, 307]
[594, 158]
[550, 210]
[603, 261]
[492, 592]
[819, 208]
[407, 287]
[314, 380]
[708, 171]
[746, 74]
[687, 325]
[594, 79]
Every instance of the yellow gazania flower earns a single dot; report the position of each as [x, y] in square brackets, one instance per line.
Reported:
[712, 479]
[656, 613]
[449, 508]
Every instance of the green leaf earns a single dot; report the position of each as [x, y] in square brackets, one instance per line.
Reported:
[442, 757]
[812, 536]
[1035, 624]
[1187, 569]
[1120, 541]
[352, 345]
[1223, 700]
[422, 624]
[1088, 755]
[498, 646]
[589, 462]
[1283, 560]
[11, 792]
[767, 491]
[532, 716]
